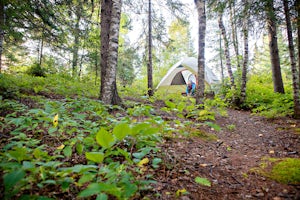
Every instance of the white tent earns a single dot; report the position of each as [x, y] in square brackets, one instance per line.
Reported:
[178, 75]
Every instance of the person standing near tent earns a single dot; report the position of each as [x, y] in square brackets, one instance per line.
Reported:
[190, 88]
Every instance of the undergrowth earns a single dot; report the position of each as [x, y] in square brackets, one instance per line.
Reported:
[59, 139]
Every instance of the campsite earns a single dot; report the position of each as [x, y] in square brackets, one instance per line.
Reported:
[149, 100]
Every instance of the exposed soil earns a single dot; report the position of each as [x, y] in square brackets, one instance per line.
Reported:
[229, 162]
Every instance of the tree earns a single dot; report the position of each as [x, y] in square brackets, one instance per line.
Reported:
[298, 32]
[273, 46]
[149, 64]
[233, 22]
[200, 5]
[1, 31]
[246, 51]
[76, 31]
[293, 61]
[110, 24]
[226, 48]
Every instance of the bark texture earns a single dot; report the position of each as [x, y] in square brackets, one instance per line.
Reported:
[76, 39]
[149, 65]
[110, 24]
[293, 60]
[298, 32]
[226, 49]
[234, 33]
[200, 4]
[273, 45]
[246, 52]
[1, 32]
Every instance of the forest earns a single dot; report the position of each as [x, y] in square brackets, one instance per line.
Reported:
[83, 114]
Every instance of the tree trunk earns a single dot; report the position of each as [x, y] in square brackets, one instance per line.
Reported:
[221, 60]
[273, 45]
[149, 65]
[76, 39]
[246, 53]
[226, 49]
[234, 34]
[110, 24]
[41, 49]
[1, 32]
[200, 4]
[298, 31]
[293, 60]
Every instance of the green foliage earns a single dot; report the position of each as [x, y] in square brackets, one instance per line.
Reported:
[36, 70]
[7, 87]
[261, 98]
[37, 153]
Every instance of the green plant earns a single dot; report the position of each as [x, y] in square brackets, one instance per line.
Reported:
[231, 127]
[36, 70]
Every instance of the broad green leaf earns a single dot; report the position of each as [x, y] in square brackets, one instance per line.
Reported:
[19, 154]
[28, 165]
[79, 148]
[67, 151]
[202, 181]
[155, 162]
[170, 104]
[13, 178]
[96, 157]
[86, 178]
[102, 196]
[130, 189]
[121, 131]
[79, 168]
[38, 153]
[142, 153]
[105, 139]
[214, 126]
[89, 141]
[52, 130]
[181, 106]
[93, 188]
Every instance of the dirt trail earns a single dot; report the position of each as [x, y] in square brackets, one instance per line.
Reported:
[243, 141]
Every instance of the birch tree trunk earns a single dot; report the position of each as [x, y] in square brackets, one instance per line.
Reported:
[298, 32]
[226, 49]
[293, 60]
[221, 60]
[234, 34]
[110, 24]
[149, 65]
[273, 45]
[246, 52]
[200, 4]
[1, 32]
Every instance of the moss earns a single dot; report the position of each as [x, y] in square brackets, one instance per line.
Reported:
[297, 131]
[286, 171]
[204, 135]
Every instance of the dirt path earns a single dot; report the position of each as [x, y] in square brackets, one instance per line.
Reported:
[243, 142]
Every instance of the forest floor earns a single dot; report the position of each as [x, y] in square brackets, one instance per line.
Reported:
[230, 158]
[244, 142]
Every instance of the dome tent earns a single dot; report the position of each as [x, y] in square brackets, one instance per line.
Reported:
[178, 75]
